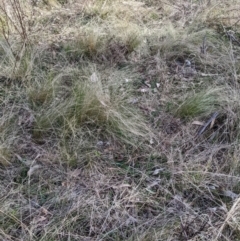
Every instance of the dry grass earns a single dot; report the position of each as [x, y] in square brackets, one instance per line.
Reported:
[119, 120]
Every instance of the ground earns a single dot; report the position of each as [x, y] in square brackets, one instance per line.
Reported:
[119, 120]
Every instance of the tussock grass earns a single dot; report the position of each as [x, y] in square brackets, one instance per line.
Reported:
[99, 102]
[203, 103]
[104, 106]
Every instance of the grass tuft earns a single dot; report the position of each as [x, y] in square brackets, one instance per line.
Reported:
[203, 103]
[91, 103]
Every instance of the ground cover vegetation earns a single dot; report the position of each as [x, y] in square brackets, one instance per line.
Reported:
[119, 120]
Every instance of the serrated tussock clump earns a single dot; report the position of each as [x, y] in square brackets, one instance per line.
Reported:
[91, 103]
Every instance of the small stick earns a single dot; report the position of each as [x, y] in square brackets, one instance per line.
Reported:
[213, 117]
[203, 47]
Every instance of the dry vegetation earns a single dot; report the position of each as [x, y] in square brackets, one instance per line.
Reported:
[119, 120]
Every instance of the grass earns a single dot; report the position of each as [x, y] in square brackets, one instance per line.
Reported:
[205, 102]
[102, 103]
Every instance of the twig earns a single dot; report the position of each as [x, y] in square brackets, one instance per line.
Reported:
[203, 48]
[208, 75]
[15, 19]
[232, 37]
[213, 117]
